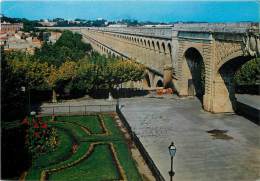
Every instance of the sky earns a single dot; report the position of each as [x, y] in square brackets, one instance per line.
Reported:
[144, 10]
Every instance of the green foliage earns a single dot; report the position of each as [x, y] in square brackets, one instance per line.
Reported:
[112, 71]
[29, 25]
[68, 47]
[31, 72]
[13, 99]
[62, 68]
[249, 73]
[84, 80]
[98, 71]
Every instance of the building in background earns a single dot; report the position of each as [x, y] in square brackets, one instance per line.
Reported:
[11, 27]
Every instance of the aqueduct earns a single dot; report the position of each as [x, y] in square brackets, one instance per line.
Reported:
[197, 59]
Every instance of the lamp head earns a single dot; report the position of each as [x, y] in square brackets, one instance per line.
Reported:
[33, 113]
[172, 149]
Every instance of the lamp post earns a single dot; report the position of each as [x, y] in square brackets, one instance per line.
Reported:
[117, 90]
[172, 151]
[23, 89]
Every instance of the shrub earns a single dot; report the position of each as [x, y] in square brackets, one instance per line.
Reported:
[40, 138]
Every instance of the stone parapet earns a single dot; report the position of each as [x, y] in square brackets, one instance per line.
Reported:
[218, 27]
[162, 32]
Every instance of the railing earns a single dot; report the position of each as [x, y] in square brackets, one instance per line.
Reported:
[218, 27]
[76, 110]
[165, 32]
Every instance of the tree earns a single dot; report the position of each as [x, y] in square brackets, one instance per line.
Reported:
[52, 81]
[85, 77]
[34, 73]
[112, 71]
[21, 70]
[68, 47]
[248, 73]
[13, 99]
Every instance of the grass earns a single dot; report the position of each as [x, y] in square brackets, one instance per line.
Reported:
[99, 165]
[77, 132]
[91, 122]
[62, 152]
[126, 161]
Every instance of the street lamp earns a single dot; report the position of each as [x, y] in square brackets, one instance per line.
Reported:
[172, 151]
[33, 113]
[117, 90]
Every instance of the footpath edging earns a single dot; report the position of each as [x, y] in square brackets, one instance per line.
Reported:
[249, 112]
[155, 171]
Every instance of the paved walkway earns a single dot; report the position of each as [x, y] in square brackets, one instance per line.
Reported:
[251, 100]
[233, 156]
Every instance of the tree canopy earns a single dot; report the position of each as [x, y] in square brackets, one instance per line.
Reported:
[68, 47]
[249, 73]
[94, 71]
[68, 66]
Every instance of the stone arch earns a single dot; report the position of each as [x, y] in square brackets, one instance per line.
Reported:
[146, 81]
[193, 73]
[158, 46]
[149, 44]
[145, 42]
[169, 48]
[224, 89]
[159, 83]
[141, 41]
[163, 47]
[153, 45]
[229, 58]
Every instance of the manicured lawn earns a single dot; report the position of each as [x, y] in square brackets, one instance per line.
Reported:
[62, 152]
[100, 164]
[91, 122]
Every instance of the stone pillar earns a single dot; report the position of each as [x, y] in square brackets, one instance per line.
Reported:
[175, 60]
[167, 76]
[209, 65]
[151, 77]
[223, 96]
[174, 50]
[219, 89]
